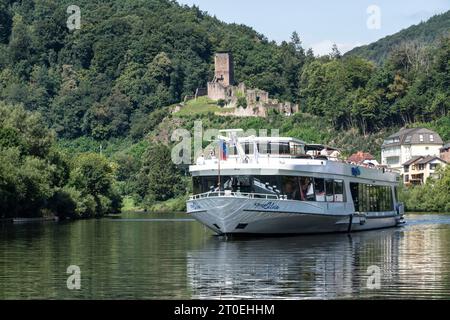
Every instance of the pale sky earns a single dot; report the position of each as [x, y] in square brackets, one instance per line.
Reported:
[320, 23]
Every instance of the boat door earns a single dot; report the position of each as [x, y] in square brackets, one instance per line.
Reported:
[355, 195]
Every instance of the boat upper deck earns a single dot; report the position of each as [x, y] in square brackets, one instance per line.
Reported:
[280, 155]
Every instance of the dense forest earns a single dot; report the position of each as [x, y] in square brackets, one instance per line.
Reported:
[104, 92]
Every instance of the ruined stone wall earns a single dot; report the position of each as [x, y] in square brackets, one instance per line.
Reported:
[254, 111]
[216, 91]
[200, 92]
[255, 96]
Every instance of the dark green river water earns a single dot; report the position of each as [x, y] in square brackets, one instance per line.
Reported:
[147, 256]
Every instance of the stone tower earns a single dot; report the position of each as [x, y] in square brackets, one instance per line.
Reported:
[224, 67]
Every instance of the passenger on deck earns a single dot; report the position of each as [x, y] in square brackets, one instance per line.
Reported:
[335, 155]
[291, 191]
[307, 189]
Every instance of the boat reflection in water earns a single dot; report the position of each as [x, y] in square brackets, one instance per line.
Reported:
[319, 267]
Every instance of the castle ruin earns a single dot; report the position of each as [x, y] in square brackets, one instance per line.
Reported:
[222, 87]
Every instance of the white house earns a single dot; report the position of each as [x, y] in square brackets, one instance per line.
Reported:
[406, 144]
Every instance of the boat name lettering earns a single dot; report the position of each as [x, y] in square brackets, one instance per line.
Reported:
[267, 205]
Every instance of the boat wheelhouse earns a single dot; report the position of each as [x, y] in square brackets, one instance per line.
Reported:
[267, 185]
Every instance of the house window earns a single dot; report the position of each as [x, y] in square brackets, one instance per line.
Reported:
[406, 168]
[421, 166]
[434, 166]
[406, 177]
[431, 138]
[421, 138]
[392, 160]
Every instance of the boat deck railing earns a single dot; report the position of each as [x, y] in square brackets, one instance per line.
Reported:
[271, 157]
[227, 193]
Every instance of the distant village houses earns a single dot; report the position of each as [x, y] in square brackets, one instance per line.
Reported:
[363, 158]
[415, 153]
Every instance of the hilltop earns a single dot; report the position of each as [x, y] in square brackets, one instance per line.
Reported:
[426, 33]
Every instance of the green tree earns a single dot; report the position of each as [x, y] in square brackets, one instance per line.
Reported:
[20, 42]
[5, 22]
[159, 179]
[93, 176]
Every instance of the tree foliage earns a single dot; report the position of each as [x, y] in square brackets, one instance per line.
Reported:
[35, 177]
[159, 179]
[434, 196]
[351, 92]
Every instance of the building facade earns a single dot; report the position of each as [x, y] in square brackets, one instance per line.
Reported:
[417, 170]
[407, 144]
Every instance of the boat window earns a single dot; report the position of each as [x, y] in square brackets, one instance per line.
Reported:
[388, 203]
[275, 148]
[329, 190]
[295, 188]
[281, 148]
[237, 183]
[266, 185]
[319, 187]
[291, 188]
[232, 150]
[339, 191]
[297, 149]
[355, 195]
[271, 183]
[196, 185]
[204, 184]
[248, 148]
[371, 198]
[263, 147]
[306, 189]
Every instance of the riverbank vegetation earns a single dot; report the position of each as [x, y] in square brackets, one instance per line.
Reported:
[434, 196]
[37, 179]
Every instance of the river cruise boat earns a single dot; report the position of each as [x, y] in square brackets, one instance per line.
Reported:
[266, 185]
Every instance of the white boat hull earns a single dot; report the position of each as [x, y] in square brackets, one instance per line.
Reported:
[232, 215]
